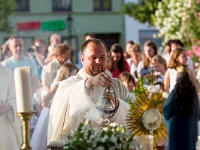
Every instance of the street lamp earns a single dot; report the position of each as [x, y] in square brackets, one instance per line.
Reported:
[69, 20]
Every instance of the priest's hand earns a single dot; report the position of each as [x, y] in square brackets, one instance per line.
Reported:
[102, 79]
[4, 108]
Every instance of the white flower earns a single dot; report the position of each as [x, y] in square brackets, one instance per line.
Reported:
[113, 124]
[105, 129]
[196, 64]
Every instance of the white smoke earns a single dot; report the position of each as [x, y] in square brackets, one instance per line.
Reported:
[95, 114]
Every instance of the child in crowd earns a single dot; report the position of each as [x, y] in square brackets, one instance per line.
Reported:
[159, 65]
[129, 82]
[145, 66]
[39, 138]
[136, 57]
[65, 72]
[178, 58]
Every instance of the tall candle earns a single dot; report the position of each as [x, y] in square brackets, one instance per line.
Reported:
[23, 89]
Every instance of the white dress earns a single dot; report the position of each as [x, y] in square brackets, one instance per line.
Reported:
[133, 69]
[173, 76]
[39, 137]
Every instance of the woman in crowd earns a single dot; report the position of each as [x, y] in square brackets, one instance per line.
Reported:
[159, 65]
[181, 110]
[136, 57]
[129, 82]
[117, 64]
[127, 54]
[39, 137]
[145, 66]
[178, 58]
[177, 43]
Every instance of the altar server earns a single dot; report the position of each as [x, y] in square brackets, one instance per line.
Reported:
[10, 132]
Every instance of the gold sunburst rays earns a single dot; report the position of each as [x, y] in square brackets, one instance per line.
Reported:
[143, 103]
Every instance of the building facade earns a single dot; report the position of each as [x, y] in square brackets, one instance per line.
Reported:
[71, 19]
[139, 32]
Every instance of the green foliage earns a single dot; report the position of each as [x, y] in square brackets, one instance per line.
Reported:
[143, 12]
[7, 8]
[140, 88]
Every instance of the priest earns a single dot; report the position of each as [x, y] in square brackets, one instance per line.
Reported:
[10, 123]
[77, 95]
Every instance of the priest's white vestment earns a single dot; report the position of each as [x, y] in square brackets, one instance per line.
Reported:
[71, 101]
[10, 132]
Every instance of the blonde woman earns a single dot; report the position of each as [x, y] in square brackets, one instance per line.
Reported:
[178, 58]
[136, 57]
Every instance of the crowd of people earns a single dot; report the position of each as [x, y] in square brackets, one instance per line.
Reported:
[63, 92]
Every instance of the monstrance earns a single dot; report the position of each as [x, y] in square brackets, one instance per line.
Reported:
[145, 114]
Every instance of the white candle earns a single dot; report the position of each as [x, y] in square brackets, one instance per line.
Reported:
[23, 89]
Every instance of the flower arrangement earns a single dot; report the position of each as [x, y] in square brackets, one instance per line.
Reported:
[113, 137]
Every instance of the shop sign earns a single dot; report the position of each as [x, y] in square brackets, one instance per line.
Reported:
[45, 26]
[54, 25]
[26, 26]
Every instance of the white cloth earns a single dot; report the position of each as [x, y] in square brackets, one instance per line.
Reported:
[39, 137]
[173, 76]
[10, 123]
[39, 95]
[71, 101]
[133, 68]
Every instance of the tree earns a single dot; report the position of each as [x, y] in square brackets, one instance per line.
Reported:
[180, 19]
[143, 12]
[7, 8]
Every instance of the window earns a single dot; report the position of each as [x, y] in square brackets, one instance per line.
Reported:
[109, 38]
[146, 35]
[61, 5]
[102, 5]
[22, 5]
